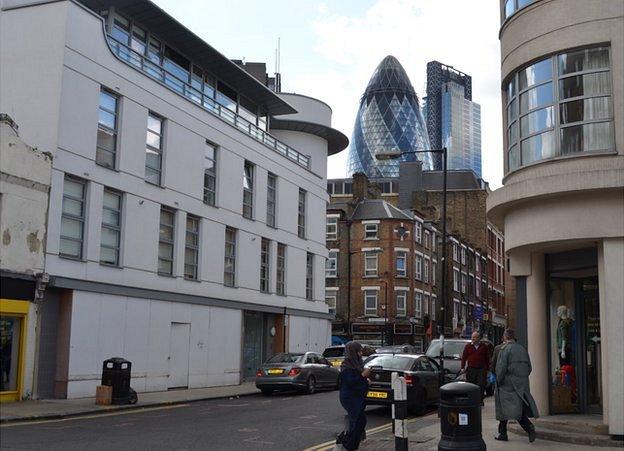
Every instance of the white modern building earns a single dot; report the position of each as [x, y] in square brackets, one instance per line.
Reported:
[562, 200]
[187, 206]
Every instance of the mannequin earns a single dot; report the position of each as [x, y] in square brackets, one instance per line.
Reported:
[564, 335]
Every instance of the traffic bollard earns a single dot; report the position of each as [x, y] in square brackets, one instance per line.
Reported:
[399, 412]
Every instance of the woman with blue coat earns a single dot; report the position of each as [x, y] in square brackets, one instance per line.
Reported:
[353, 388]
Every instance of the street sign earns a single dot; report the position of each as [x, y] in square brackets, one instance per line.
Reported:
[478, 313]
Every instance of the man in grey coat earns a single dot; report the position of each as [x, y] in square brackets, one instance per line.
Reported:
[513, 397]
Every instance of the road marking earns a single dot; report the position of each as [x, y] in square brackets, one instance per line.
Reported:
[99, 415]
[308, 417]
[248, 430]
[233, 405]
[384, 427]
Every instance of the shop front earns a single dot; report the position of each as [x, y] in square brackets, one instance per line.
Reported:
[373, 334]
[263, 336]
[13, 326]
[575, 362]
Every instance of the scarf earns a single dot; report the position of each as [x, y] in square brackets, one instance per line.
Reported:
[352, 358]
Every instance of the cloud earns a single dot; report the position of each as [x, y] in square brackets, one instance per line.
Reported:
[460, 33]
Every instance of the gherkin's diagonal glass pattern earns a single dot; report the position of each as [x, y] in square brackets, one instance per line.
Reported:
[389, 119]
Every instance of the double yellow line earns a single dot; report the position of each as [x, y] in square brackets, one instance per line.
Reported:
[329, 445]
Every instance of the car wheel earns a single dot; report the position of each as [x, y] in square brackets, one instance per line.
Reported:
[420, 406]
[311, 386]
[266, 391]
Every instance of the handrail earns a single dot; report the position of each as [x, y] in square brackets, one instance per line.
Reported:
[159, 73]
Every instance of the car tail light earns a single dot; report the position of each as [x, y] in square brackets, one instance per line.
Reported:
[409, 379]
[259, 373]
[294, 371]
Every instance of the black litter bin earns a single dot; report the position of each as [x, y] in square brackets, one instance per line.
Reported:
[460, 417]
[116, 373]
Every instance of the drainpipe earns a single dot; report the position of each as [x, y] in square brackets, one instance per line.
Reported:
[349, 222]
[42, 280]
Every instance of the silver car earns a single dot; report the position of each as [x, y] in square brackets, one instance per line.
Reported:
[305, 372]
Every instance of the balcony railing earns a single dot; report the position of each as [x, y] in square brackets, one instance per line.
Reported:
[157, 72]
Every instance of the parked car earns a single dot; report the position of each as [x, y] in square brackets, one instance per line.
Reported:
[335, 355]
[305, 372]
[421, 375]
[453, 350]
[397, 349]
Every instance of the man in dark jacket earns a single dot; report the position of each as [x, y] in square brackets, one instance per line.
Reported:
[513, 397]
[475, 361]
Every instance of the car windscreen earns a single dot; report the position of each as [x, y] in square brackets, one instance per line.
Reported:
[333, 352]
[284, 358]
[452, 349]
[391, 362]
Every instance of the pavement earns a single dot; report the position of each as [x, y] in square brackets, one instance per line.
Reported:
[62, 408]
[424, 434]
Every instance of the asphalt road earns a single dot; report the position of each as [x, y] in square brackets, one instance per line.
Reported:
[282, 421]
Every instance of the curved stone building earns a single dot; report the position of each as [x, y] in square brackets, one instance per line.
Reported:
[389, 119]
[562, 203]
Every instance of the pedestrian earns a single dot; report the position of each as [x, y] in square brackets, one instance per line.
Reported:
[513, 397]
[475, 362]
[353, 389]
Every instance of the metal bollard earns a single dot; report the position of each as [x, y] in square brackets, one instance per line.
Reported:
[399, 412]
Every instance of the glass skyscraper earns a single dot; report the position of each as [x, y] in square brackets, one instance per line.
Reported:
[389, 120]
[461, 129]
[453, 119]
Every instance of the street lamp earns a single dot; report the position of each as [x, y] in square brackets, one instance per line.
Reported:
[393, 154]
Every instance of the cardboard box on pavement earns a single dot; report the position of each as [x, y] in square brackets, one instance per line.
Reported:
[103, 395]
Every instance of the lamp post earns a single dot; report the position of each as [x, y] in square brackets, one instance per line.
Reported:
[392, 154]
[385, 308]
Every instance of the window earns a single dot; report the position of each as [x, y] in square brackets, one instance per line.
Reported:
[434, 272]
[191, 248]
[331, 264]
[427, 239]
[301, 214]
[166, 240]
[418, 234]
[370, 303]
[229, 272]
[434, 239]
[478, 288]
[154, 149]
[426, 301]
[426, 270]
[463, 255]
[331, 228]
[106, 147]
[401, 303]
[558, 106]
[455, 279]
[111, 227]
[73, 217]
[463, 283]
[371, 231]
[330, 300]
[455, 309]
[370, 264]
[265, 265]
[271, 200]
[455, 252]
[280, 278]
[418, 305]
[401, 264]
[418, 267]
[477, 264]
[210, 174]
[511, 6]
[309, 276]
[248, 187]
[434, 307]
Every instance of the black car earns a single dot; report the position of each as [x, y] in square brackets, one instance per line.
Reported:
[421, 375]
[453, 350]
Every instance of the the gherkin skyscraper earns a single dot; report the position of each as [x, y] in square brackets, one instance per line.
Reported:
[389, 120]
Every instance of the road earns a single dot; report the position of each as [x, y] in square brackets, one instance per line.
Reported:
[281, 421]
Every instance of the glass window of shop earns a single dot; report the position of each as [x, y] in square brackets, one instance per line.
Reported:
[10, 343]
[574, 332]
[560, 106]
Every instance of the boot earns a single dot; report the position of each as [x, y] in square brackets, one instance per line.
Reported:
[531, 432]
[501, 437]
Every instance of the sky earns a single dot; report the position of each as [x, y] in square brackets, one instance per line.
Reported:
[330, 48]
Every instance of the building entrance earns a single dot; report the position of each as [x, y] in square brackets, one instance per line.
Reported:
[575, 342]
[261, 339]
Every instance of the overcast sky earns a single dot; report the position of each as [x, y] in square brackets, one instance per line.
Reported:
[329, 50]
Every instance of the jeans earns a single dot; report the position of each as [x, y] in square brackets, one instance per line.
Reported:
[357, 422]
[524, 422]
[477, 376]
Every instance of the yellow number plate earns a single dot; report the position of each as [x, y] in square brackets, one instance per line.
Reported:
[275, 371]
[377, 394]
[336, 363]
